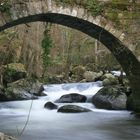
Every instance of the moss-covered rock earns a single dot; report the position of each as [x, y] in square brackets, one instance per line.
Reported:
[23, 89]
[78, 72]
[109, 79]
[110, 97]
[13, 72]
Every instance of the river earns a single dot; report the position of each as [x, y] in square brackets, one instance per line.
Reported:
[46, 124]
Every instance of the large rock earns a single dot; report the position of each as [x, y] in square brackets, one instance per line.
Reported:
[12, 94]
[6, 137]
[91, 76]
[72, 98]
[19, 90]
[72, 109]
[13, 72]
[109, 79]
[110, 97]
[77, 72]
[37, 89]
[50, 106]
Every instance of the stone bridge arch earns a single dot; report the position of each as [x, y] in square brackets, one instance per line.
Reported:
[48, 11]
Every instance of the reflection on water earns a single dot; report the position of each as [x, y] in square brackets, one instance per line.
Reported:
[50, 125]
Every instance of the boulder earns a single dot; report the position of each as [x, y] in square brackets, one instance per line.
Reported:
[12, 94]
[109, 79]
[91, 76]
[110, 97]
[72, 109]
[19, 90]
[13, 72]
[6, 137]
[37, 89]
[108, 76]
[50, 106]
[72, 98]
[77, 72]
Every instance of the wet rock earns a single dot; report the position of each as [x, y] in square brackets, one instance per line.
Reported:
[12, 94]
[72, 109]
[72, 98]
[6, 137]
[19, 90]
[110, 97]
[50, 106]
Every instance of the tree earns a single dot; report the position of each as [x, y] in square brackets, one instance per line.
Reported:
[47, 44]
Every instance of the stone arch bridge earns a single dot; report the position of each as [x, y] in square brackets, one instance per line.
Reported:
[22, 12]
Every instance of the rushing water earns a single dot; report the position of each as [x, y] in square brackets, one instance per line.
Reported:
[49, 125]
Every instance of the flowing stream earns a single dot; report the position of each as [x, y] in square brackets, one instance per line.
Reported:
[50, 125]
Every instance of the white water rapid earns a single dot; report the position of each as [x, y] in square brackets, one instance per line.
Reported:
[46, 124]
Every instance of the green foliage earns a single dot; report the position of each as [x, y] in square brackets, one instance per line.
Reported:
[94, 7]
[91, 5]
[10, 72]
[46, 46]
[5, 6]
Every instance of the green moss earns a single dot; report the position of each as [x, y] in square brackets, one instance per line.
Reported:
[94, 7]
[47, 44]
[5, 6]
[15, 67]
[91, 5]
